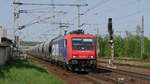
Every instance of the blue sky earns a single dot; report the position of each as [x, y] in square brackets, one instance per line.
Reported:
[126, 15]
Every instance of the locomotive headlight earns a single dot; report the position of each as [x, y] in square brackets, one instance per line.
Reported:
[92, 56]
[74, 56]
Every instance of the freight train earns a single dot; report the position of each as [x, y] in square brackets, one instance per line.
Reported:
[75, 51]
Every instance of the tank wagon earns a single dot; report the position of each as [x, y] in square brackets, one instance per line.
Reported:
[75, 51]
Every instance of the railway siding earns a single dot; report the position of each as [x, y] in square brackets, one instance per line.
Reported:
[127, 67]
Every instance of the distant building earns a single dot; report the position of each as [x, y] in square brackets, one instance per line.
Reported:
[3, 33]
[5, 46]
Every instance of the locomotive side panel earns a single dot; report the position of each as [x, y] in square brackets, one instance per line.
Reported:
[59, 50]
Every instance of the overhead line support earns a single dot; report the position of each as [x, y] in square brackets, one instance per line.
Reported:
[45, 4]
[19, 3]
[142, 37]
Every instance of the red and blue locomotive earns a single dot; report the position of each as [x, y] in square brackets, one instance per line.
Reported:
[76, 51]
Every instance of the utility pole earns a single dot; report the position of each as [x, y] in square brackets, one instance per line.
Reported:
[78, 16]
[16, 23]
[98, 50]
[142, 37]
[16, 17]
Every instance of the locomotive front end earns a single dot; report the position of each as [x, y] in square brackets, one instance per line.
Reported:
[83, 56]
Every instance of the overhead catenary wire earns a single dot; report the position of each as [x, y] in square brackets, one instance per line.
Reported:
[29, 11]
[129, 15]
[96, 6]
[90, 9]
[35, 22]
[120, 19]
[132, 14]
[113, 7]
[126, 15]
[43, 8]
[37, 10]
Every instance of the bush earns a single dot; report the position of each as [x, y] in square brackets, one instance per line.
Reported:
[146, 55]
[129, 46]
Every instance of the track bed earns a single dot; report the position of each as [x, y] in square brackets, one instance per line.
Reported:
[98, 76]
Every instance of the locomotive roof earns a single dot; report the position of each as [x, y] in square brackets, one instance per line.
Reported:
[73, 35]
[80, 35]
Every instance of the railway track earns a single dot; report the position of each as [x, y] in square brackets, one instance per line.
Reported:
[129, 65]
[84, 78]
[128, 60]
[77, 78]
[130, 73]
[101, 75]
[139, 71]
[121, 76]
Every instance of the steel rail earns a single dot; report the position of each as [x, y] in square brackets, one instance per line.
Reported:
[129, 65]
[130, 73]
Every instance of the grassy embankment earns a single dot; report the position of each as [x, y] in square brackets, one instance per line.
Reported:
[136, 64]
[19, 71]
[142, 64]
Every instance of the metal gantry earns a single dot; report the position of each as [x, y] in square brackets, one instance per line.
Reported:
[17, 12]
[46, 4]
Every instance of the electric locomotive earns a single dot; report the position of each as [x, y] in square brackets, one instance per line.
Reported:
[75, 51]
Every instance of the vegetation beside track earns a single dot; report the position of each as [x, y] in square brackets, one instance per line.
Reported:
[136, 64]
[128, 46]
[18, 71]
[133, 62]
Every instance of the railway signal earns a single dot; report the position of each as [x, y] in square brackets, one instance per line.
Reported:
[111, 41]
[110, 30]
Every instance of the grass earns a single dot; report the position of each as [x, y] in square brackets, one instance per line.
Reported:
[137, 64]
[19, 71]
[133, 63]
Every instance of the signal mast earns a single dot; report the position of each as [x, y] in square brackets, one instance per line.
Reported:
[111, 42]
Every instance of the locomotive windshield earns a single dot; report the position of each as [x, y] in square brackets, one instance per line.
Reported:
[82, 43]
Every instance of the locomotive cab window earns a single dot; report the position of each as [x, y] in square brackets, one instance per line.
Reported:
[82, 43]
